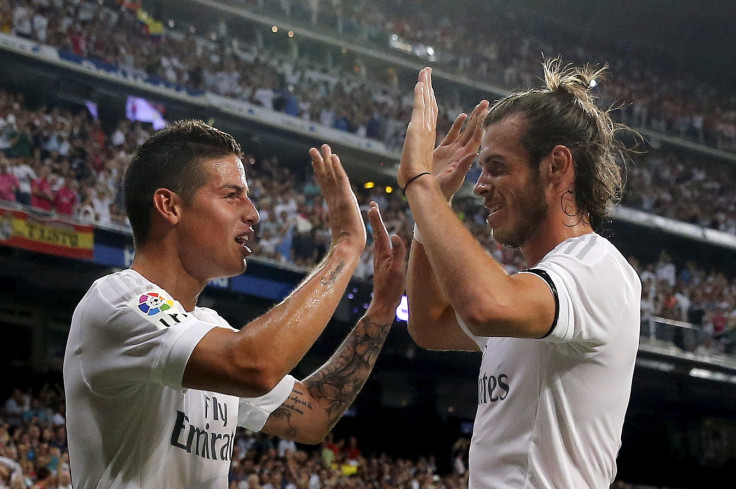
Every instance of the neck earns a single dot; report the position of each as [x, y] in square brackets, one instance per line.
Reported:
[166, 271]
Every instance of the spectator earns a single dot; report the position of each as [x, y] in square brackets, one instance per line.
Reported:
[45, 479]
[8, 181]
[15, 405]
[101, 201]
[21, 142]
[66, 200]
[42, 196]
[64, 479]
[25, 175]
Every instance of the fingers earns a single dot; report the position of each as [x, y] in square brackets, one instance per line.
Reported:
[433, 100]
[425, 104]
[454, 131]
[463, 166]
[430, 103]
[326, 165]
[317, 161]
[417, 113]
[386, 246]
[474, 129]
[380, 234]
[398, 249]
[329, 160]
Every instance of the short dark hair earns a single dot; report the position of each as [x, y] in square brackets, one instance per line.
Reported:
[170, 159]
[42, 473]
[565, 113]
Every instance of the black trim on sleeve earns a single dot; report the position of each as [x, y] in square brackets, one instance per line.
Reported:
[545, 276]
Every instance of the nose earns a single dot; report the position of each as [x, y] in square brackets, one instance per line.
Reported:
[250, 213]
[483, 185]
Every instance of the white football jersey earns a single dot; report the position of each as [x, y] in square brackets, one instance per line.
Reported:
[130, 423]
[551, 410]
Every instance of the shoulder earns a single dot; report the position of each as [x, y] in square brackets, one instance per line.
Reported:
[591, 256]
[119, 294]
[591, 267]
[123, 286]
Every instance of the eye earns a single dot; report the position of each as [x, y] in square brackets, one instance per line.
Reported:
[494, 168]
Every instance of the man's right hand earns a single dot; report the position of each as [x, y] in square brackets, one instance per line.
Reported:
[346, 222]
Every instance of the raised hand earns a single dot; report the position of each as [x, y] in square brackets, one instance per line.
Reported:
[332, 388]
[345, 220]
[389, 265]
[416, 155]
[455, 154]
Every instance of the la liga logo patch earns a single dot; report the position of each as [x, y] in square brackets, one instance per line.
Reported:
[152, 303]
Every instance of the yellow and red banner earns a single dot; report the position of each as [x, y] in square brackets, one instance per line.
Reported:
[46, 234]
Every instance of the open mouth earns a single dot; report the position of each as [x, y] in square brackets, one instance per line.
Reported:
[243, 240]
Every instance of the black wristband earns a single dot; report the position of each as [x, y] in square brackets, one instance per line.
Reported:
[414, 178]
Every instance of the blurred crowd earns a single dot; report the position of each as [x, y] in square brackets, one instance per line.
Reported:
[34, 454]
[504, 50]
[500, 47]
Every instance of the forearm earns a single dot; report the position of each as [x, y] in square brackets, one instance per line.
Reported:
[318, 402]
[432, 322]
[337, 383]
[250, 362]
[283, 335]
[426, 299]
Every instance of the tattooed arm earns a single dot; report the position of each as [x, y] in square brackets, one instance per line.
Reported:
[317, 402]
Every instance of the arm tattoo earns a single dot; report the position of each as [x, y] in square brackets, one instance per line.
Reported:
[295, 404]
[327, 281]
[337, 383]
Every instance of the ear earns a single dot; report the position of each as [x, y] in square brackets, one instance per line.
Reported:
[167, 205]
[561, 167]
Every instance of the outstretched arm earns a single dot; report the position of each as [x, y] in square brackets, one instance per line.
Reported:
[250, 362]
[317, 402]
[432, 322]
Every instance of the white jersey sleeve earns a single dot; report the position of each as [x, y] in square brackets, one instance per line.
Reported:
[583, 275]
[253, 412]
[134, 333]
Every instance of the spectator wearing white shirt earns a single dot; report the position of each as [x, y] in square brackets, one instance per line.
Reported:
[101, 201]
[25, 175]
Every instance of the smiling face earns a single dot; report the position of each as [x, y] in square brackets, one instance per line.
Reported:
[511, 189]
[217, 224]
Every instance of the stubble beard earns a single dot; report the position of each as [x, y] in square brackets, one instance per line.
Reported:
[532, 212]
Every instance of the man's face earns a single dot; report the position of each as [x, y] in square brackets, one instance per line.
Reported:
[217, 225]
[511, 190]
